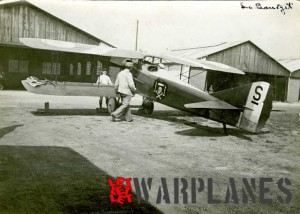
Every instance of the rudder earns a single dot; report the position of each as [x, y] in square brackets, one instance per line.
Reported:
[257, 108]
[254, 101]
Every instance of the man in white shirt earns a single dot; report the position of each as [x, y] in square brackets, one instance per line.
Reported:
[125, 86]
[103, 79]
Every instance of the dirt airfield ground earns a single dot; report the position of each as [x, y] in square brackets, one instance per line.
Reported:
[168, 144]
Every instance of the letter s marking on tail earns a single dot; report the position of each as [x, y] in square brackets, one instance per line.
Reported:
[255, 99]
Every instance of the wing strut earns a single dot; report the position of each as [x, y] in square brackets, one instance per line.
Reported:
[225, 129]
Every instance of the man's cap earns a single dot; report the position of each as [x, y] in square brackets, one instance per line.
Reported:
[127, 63]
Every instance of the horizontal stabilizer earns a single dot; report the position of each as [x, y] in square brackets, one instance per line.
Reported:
[215, 104]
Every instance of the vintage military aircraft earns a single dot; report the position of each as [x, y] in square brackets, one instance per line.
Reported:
[246, 107]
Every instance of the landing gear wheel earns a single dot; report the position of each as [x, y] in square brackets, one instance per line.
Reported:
[112, 104]
[148, 107]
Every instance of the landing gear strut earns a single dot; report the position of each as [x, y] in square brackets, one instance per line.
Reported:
[225, 129]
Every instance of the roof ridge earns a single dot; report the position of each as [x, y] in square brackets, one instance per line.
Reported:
[208, 46]
[231, 43]
[293, 58]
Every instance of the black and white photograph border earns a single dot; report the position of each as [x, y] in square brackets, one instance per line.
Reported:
[195, 150]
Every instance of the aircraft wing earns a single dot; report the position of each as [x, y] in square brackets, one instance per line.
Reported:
[216, 66]
[208, 65]
[215, 104]
[63, 46]
[48, 87]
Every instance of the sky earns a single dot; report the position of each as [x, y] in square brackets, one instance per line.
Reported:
[168, 25]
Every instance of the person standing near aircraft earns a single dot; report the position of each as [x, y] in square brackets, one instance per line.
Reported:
[103, 79]
[124, 85]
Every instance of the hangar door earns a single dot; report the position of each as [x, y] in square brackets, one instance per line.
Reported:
[293, 90]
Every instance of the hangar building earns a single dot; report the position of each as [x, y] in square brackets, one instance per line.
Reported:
[21, 18]
[243, 55]
[293, 91]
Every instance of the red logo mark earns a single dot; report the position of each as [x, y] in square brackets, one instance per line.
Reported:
[119, 191]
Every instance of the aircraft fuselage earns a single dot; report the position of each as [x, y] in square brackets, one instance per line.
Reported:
[160, 86]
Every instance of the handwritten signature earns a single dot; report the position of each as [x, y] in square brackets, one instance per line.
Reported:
[281, 7]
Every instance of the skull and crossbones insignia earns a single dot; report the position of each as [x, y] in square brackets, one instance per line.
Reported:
[160, 89]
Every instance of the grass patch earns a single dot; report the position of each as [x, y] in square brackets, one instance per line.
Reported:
[57, 180]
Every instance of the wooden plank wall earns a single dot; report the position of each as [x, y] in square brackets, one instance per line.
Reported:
[250, 57]
[21, 20]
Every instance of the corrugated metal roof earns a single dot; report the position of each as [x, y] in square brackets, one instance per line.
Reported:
[203, 51]
[41, 7]
[291, 64]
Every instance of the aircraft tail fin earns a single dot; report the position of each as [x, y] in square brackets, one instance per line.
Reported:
[255, 99]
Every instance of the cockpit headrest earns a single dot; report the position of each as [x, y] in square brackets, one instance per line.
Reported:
[128, 63]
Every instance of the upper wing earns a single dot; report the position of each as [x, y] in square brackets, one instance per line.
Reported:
[56, 45]
[216, 66]
[208, 65]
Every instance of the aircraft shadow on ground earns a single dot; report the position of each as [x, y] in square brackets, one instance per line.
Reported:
[36, 179]
[8, 129]
[70, 112]
[166, 115]
[197, 129]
